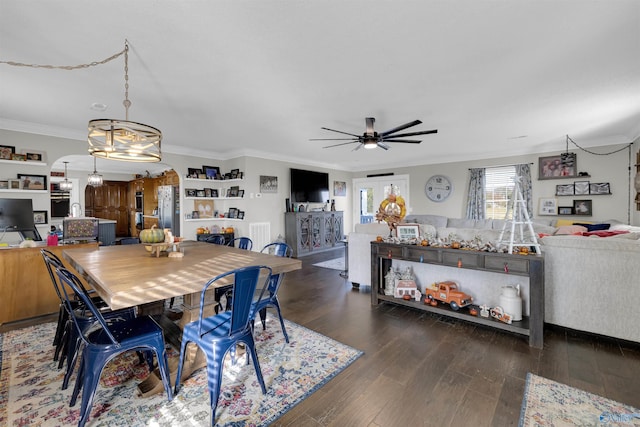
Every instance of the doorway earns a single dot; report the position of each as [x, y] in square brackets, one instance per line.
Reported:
[369, 192]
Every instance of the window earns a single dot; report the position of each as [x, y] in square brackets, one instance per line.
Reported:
[498, 187]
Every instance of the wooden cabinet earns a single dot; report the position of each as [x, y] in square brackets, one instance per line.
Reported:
[109, 201]
[26, 289]
[308, 232]
[531, 266]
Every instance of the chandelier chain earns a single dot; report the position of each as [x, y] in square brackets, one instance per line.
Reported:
[68, 67]
[126, 101]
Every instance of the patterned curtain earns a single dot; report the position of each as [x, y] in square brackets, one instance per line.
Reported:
[475, 197]
[524, 172]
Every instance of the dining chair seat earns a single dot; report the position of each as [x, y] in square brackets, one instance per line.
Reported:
[219, 334]
[241, 243]
[107, 340]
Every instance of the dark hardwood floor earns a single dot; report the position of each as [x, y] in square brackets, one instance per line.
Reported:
[419, 369]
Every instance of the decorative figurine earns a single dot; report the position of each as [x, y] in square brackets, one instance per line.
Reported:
[484, 310]
[390, 282]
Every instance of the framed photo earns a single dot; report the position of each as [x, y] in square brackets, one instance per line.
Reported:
[235, 173]
[33, 182]
[195, 215]
[214, 192]
[6, 151]
[14, 184]
[240, 214]
[19, 157]
[268, 184]
[582, 207]
[408, 231]
[599, 188]
[204, 208]
[194, 172]
[240, 193]
[565, 210]
[565, 189]
[233, 212]
[200, 193]
[34, 156]
[4, 184]
[234, 191]
[548, 206]
[557, 167]
[40, 217]
[339, 188]
[212, 172]
[581, 188]
[190, 192]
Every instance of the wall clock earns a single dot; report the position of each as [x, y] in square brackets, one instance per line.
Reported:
[438, 188]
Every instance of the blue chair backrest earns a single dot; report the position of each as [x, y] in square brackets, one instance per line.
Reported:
[216, 239]
[243, 243]
[70, 280]
[279, 249]
[245, 282]
[52, 262]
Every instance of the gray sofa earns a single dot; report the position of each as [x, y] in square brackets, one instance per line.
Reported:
[592, 283]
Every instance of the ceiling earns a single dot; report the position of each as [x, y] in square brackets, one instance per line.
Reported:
[229, 78]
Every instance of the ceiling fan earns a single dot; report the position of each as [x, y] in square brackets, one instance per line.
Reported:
[372, 139]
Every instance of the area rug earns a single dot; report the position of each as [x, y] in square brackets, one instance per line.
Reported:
[333, 264]
[549, 403]
[30, 383]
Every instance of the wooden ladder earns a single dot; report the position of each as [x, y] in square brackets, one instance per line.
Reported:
[516, 211]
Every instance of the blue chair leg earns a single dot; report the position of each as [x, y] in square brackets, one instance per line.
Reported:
[91, 377]
[276, 304]
[183, 349]
[215, 360]
[251, 346]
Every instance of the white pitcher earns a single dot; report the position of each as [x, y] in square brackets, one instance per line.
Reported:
[511, 302]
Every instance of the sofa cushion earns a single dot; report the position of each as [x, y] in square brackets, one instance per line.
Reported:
[375, 228]
[570, 229]
[593, 227]
[469, 223]
[435, 220]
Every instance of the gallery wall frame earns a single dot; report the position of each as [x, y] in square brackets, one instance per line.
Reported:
[558, 167]
[582, 207]
[548, 206]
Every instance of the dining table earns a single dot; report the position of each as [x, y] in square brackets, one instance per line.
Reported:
[134, 276]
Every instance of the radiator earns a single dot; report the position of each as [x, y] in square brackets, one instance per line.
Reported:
[260, 234]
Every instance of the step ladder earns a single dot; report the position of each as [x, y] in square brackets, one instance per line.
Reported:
[517, 215]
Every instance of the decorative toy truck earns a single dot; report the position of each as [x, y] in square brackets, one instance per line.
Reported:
[448, 293]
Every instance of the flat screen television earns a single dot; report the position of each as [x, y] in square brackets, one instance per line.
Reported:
[309, 186]
[16, 215]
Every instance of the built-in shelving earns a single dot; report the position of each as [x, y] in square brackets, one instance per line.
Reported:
[25, 162]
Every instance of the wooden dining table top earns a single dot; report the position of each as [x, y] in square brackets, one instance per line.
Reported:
[129, 275]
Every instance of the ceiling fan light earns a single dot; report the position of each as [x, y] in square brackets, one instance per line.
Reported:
[370, 144]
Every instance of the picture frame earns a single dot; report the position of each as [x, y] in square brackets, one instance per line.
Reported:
[190, 192]
[599, 188]
[234, 173]
[234, 191]
[193, 172]
[548, 206]
[565, 210]
[34, 156]
[6, 151]
[240, 214]
[19, 157]
[200, 193]
[195, 215]
[4, 184]
[582, 207]
[240, 193]
[212, 172]
[565, 189]
[233, 213]
[558, 167]
[204, 208]
[407, 231]
[40, 217]
[268, 184]
[14, 184]
[580, 188]
[214, 192]
[339, 188]
[33, 182]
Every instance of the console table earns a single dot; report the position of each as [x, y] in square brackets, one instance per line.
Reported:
[531, 266]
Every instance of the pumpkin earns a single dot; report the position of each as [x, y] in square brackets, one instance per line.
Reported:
[200, 230]
[229, 230]
[152, 235]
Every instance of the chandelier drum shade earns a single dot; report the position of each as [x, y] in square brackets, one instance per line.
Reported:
[94, 179]
[122, 139]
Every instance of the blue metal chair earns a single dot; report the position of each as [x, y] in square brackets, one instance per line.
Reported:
[216, 239]
[243, 243]
[106, 341]
[66, 340]
[219, 334]
[270, 297]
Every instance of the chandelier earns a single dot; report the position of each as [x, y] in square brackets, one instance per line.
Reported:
[65, 185]
[122, 139]
[94, 179]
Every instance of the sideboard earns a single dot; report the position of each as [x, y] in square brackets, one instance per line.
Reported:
[531, 266]
[309, 232]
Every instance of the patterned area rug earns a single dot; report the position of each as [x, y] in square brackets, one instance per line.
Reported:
[333, 264]
[30, 383]
[549, 403]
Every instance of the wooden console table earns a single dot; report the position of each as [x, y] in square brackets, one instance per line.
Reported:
[531, 266]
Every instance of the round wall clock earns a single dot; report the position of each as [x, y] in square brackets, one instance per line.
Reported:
[438, 188]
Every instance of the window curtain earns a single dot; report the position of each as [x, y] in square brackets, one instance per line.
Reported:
[475, 196]
[524, 172]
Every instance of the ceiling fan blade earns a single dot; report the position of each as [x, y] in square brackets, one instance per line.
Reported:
[402, 127]
[383, 145]
[343, 143]
[369, 123]
[339, 131]
[422, 132]
[406, 141]
[358, 147]
[333, 139]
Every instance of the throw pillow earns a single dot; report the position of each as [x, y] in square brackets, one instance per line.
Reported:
[593, 227]
[570, 229]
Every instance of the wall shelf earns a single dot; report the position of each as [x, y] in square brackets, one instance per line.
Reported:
[21, 162]
[9, 190]
[212, 219]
